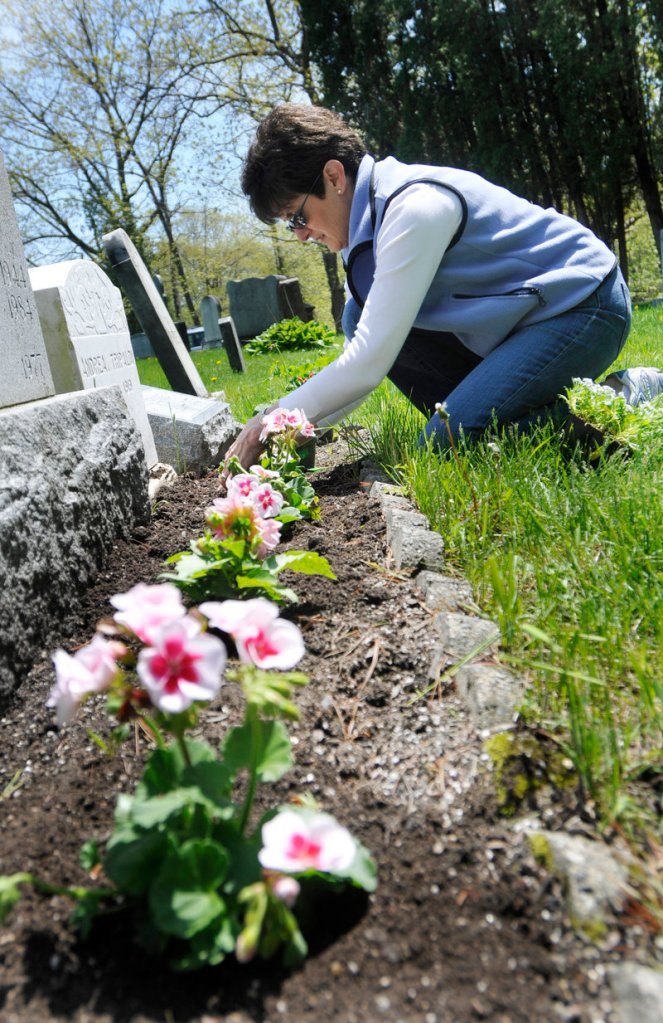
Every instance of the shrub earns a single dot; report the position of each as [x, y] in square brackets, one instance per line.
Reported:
[292, 335]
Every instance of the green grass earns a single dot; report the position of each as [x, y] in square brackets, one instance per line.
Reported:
[262, 382]
[565, 555]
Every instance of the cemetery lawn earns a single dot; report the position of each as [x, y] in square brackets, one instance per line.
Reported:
[464, 926]
[565, 552]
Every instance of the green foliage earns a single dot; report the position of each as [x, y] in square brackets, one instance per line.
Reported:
[469, 84]
[295, 376]
[292, 335]
[565, 554]
[601, 407]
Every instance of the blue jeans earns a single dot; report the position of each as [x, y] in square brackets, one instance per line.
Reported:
[521, 380]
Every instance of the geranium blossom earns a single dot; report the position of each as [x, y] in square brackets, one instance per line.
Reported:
[144, 609]
[244, 483]
[181, 666]
[296, 420]
[261, 637]
[238, 518]
[264, 474]
[293, 842]
[90, 670]
[267, 500]
[274, 422]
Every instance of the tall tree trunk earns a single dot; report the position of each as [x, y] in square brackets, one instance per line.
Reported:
[335, 286]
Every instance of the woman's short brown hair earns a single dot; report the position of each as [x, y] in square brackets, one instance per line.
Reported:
[291, 146]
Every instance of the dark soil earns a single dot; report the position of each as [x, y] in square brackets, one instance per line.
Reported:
[464, 925]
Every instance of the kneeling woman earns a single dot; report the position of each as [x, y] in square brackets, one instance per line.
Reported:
[459, 291]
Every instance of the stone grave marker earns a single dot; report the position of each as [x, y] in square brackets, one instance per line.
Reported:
[192, 434]
[221, 331]
[25, 372]
[254, 304]
[154, 318]
[231, 343]
[87, 336]
[209, 315]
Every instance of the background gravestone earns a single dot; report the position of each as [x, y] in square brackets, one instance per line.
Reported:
[25, 372]
[87, 336]
[292, 302]
[254, 304]
[209, 316]
[151, 312]
[258, 302]
[221, 331]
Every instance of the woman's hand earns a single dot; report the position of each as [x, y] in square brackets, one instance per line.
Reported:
[247, 447]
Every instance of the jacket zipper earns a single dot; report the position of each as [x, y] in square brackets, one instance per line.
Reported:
[505, 294]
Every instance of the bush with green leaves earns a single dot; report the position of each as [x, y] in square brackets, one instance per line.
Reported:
[292, 335]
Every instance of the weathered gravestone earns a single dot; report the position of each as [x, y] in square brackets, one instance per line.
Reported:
[154, 318]
[292, 302]
[192, 434]
[25, 372]
[221, 332]
[254, 304]
[72, 479]
[87, 336]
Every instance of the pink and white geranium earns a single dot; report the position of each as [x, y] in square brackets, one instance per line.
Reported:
[261, 637]
[144, 608]
[238, 518]
[294, 842]
[267, 500]
[282, 420]
[264, 474]
[90, 670]
[243, 483]
[181, 666]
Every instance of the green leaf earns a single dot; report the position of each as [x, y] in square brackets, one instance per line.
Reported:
[363, 870]
[273, 753]
[89, 857]
[208, 947]
[10, 892]
[183, 897]
[165, 768]
[132, 858]
[214, 781]
[148, 813]
[307, 562]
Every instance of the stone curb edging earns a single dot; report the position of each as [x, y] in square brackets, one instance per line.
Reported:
[490, 691]
[596, 879]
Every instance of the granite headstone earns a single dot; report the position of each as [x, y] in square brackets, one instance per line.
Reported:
[148, 305]
[25, 371]
[221, 331]
[87, 336]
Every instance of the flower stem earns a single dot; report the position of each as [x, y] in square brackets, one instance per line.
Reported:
[181, 742]
[254, 722]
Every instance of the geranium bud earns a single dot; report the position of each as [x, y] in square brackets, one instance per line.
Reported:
[286, 889]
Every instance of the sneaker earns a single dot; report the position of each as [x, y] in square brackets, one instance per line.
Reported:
[637, 385]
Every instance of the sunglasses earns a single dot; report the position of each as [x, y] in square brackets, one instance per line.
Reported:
[298, 221]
